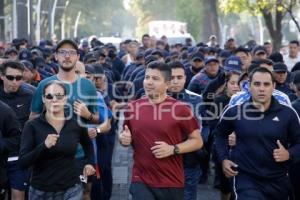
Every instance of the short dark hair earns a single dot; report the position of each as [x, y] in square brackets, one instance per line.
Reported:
[55, 82]
[176, 65]
[228, 75]
[263, 61]
[145, 35]
[163, 68]
[267, 43]
[260, 70]
[294, 42]
[12, 64]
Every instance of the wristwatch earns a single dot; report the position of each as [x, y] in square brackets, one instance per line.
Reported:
[176, 150]
[98, 130]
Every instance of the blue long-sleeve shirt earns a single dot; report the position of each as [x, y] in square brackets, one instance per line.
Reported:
[256, 137]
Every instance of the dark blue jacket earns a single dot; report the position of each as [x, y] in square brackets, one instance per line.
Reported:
[19, 101]
[9, 137]
[256, 137]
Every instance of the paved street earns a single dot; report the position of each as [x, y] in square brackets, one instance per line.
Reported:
[122, 163]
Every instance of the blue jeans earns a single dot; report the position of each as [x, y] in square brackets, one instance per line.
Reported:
[72, 193]
[192, 176]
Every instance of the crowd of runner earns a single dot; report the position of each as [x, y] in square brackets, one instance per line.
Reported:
[182, 108]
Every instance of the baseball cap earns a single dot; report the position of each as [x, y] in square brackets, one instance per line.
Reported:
[25, 54]
[27, 64]
[224, 54]
[197, 56]
[149, 59]
[211, 59]
[89, 57]
[98, 69]
[233, 63]
[259, 49]
[276, 57]
[89, 69]
[66, 41]
[11, 50]
[280, 67]
[157, 52]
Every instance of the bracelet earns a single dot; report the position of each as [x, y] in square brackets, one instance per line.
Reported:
[91, 117]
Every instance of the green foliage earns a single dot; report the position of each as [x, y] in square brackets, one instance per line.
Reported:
[99, 17]
[254, 6]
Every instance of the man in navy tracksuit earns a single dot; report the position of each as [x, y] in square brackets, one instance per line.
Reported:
[267, 139]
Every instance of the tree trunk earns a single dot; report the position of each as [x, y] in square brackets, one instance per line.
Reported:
[210, 20]
[2, 24]
[275, 32]
[22, 19]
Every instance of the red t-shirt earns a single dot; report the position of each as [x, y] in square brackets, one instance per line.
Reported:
[169, 121]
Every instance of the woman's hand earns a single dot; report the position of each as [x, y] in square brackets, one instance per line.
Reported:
[51, 140]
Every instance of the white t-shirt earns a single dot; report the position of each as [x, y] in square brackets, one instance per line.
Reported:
[290, 62]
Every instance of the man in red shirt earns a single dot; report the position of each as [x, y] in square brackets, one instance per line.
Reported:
[156, 126]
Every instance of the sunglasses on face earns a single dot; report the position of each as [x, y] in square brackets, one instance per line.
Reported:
[11, 77]
[64, 53]
[50, 96]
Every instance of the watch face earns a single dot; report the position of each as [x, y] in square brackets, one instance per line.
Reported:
[98, 130]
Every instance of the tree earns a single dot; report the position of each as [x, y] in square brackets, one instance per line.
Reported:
[273, 12]
[2, 28]
[210, 24]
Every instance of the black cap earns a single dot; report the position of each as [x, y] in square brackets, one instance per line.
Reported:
[66, 41]
[280, 67]
[158, 52]
[211, 59]
[25, 54]
[89, 69]
[100, 53]
[11, 50]
[27, 64]
[224, 54]
[276, 57]
[259, 49]
[149, 59]
[197, 56]
[98, 69]
[140, 55]
[90, 57]
[296, 79]
[39, 62]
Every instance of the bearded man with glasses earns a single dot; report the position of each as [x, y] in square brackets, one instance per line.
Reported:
[18, 98]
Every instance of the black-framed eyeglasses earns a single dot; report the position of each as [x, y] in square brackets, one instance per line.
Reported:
[50, 96]
[64, 53]
[11, 77]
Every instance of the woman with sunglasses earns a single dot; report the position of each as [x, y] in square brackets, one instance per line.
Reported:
[49, 145]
